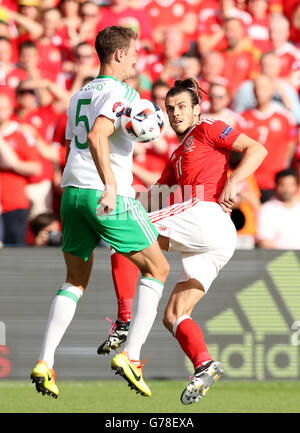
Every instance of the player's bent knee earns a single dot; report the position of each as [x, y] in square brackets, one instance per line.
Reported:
[160, 270]
[78, 277]
[80, 285]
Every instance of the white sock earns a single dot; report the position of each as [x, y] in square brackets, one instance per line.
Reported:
[177, 323]
[148, 295]
[60, 316]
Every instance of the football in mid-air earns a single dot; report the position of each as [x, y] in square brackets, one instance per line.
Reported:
[144, 121]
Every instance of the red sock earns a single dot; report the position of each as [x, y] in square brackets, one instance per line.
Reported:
[190, 338]
[125, 275]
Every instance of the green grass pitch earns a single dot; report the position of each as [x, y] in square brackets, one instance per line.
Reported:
[114, 396]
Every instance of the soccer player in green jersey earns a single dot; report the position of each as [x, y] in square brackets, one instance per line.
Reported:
[99, 202]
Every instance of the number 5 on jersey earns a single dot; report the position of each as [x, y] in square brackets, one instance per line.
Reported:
[82, 118]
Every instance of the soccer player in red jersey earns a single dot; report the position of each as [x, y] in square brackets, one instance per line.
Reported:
[199, 227]
[14, 179]
[288, 53]
[240, 59]
[176, 14]
[274, 127]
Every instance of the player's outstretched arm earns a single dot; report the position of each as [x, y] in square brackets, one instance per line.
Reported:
[99, 148]
[254, 154]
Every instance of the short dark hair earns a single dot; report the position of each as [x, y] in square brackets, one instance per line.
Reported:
[41, 221]
[192, 54]
[81, 44]
[111, 39]
[159, 83]
[284, 173]
[27, 44]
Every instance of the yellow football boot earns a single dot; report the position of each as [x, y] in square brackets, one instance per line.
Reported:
[131, 371]
[44, 379]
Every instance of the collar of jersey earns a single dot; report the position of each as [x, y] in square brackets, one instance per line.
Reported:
[190, 130]
[109, 76]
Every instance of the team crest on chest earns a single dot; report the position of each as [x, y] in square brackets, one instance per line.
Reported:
[188, 145]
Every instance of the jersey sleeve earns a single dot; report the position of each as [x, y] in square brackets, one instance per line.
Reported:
[168, 176]
[112, 104]
[221, 135]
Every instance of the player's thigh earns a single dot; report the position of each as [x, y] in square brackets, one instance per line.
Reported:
[183, 299]
[129, 231]
[204, 266]
[79, 237]
[163, 242]
[127, 228]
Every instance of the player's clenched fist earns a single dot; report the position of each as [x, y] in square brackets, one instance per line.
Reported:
[107, 202]
[228, 196]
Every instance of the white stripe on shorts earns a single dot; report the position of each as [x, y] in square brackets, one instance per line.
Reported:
[172, 210]
[139, 217]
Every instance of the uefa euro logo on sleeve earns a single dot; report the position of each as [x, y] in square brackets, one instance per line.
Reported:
[226, 132]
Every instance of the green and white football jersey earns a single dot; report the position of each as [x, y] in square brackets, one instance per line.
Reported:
[105, 96]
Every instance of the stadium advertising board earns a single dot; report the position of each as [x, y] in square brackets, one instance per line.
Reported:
[257, 335]
[250, 317]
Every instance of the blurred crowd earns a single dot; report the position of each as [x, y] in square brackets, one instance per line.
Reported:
[244, 53]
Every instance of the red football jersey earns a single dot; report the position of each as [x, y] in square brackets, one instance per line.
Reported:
[15, 76]
[238, 67]
[289, 56]
[50, 60]
[258, 31]
[135, 18]
[168, 13]
[43, 120]
[199, 165]
[274, 129]
[13, 195]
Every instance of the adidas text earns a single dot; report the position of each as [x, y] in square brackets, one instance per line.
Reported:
[257, 334]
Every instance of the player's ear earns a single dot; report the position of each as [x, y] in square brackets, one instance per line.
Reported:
[197, 111]
[119, 54]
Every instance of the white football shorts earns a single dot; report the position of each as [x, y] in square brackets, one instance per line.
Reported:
[202, 233]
